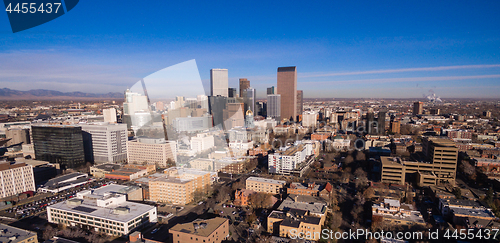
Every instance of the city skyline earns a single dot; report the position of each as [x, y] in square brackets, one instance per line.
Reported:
[343, 50]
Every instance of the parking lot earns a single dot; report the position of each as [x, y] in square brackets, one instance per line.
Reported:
[38, 203]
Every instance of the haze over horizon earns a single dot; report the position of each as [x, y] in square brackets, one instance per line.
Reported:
[341, 49]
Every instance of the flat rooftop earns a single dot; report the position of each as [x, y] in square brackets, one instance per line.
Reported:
[205, 227]
[90, 209]
[13, 234]
[265, 180]
[312, 207]
[473, 212]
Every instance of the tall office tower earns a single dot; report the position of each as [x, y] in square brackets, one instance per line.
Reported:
[109, 115]
[160, 106]
[381, 122]
[219, 82]
[109, 142]
[270, 90]
[216, 105]
[300, 101]
[274, 106]
[370, 125]
[287, 88]
[418, 108]
[231, 92]
[134, 102]
[17, 135]
[261, 108]
[244, 84]
[203, 101]
[136, 111]
[250, 97]
[59, 144]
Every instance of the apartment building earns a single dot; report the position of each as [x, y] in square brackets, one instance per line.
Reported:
[201, 230]
[259, 184]
[178, 185]
[105, 210]
[284, 162]
[151, 151]
[15, 178]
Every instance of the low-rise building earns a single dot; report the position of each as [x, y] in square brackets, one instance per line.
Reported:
[201, 230]
[315, 206]
[242, 197]
[16, 235]
[394, 212]
[130, 172]
[64, 182]
[259, 184]
[105, 210]
[230, 165]
[447, 205]
[99, 171]
[293, 223]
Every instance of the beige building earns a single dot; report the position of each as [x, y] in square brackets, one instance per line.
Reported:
[202, 164]
[178, 185]
[201, 230]
[259, 184]
[16, 178]
[16, 235]
[293, 223]
[151, 151]
[443, 155]
[18, 135]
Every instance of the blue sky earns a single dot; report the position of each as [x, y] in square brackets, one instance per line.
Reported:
[372, 49]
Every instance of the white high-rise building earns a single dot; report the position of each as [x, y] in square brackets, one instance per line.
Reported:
[16, 178]
[151, 151]
[309, 119]
[274, 106]
[203, 101]
[219, 82]
[134, 102]
[109, 115]
[202, 142]
[284, 162]
[250, 98]
[109, 142]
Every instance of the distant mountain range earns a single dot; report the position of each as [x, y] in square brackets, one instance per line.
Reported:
[11, 94]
